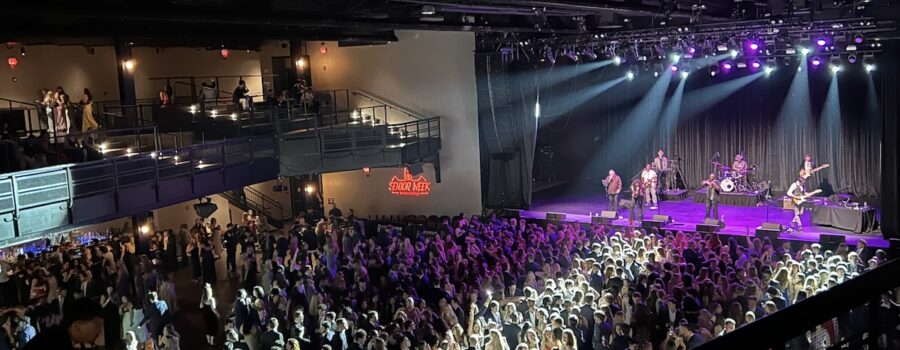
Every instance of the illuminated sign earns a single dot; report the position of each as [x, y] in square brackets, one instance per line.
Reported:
[409, 185]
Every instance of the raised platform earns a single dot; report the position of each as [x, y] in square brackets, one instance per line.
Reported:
[743, 199]
[674, 195]
[687, 214]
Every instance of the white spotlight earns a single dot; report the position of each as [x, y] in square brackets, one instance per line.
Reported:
[769, 70]
[734, 53]
[630, 75]
[684, 75]
[537, 109]
[870, 67]
[835, 68]
[675, 58]
[804, 51]
[617, 60]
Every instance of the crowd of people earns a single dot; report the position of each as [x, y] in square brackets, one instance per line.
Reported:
[473, 283]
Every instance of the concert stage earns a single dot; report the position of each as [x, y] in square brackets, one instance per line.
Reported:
[741, 199]
[739, 220]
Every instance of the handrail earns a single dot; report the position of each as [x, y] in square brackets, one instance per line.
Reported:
[771, 331]
[267, 200]
[386, 103]
[11, 101]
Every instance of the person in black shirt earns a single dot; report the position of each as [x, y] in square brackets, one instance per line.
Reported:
[231, 242]
[81, 327]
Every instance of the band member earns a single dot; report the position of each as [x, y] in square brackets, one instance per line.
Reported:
[661, 166]
[712, 196]
[649, 180]
[739, 165]
[637, 198]
[798, 194]
[808, 163]
[613, 184]
[661, 162]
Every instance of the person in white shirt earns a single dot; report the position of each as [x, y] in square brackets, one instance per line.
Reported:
[661, 166]
[649, 180]
[796, 191]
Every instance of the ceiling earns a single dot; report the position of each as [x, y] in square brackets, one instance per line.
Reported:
[244, 23]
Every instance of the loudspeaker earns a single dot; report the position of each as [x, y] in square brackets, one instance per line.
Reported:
[714, 222]
[556, 216]
[204, 210]
[663, 218]
[772, 226]
[653, 223]
[415, 169]
[710, 226]
[771, 234]
[606, 217]
[831, 240]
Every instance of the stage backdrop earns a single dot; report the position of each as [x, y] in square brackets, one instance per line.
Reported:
[596, 119]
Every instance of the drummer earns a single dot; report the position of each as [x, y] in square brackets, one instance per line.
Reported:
[740, 165]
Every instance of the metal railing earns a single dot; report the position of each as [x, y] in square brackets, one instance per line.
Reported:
[260, 203]
[856, 314]
[389, 105]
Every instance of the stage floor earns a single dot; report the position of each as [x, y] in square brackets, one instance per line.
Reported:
[739, 220]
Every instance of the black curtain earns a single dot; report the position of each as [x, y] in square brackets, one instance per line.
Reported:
[506, 133]
[772, 119]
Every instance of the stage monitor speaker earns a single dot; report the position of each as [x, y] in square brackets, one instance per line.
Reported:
[772, 235]
[606, 217]
[663, 218]
[772, 226]
[831, 241]
[556, 216]
[653, 223]
[710, 226]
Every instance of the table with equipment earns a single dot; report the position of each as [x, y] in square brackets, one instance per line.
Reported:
[856, 219]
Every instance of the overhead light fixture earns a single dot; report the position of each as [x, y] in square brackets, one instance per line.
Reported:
[769, 69]
[629, 75]
[852, 58]
[428, 10]
[804, 51]
[617, 60]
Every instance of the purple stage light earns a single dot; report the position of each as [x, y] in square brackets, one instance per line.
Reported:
[821, 42]
[858, 39]
[755, 64]
[673, 68]
[691, 50]
[816, 61]
[754, 46]
[726, 65]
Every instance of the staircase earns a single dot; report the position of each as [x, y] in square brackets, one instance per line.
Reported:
[248, 198]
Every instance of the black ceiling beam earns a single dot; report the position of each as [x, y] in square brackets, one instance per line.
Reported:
[594, 7]
[30, 12]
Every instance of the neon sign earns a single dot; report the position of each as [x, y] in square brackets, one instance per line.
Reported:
[409, 185]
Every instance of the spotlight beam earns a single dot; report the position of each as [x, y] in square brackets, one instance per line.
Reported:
[669, 118]
[698, 101]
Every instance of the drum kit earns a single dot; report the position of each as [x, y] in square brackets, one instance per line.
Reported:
[732, 180]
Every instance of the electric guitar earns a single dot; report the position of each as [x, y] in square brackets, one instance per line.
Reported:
[802, 198]
[805, 174]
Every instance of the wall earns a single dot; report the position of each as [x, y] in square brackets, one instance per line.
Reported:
[173, 216]
[42, 67]
[182, 61]
[431, 73]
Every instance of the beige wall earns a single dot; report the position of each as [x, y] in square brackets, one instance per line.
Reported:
[433, 74]
[173, 216]
[182, 61]
[71, 67]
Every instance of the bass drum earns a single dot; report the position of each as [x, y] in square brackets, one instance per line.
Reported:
[727, 185]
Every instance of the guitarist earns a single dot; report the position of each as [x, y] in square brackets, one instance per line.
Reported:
[798, 195]
[650, 181]
[808, 168]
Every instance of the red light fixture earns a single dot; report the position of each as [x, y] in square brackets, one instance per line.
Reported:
[323, 49]
[225, 53]
[367, 171]
[12, 62]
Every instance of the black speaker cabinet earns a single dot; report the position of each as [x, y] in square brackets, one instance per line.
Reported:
[556, 216]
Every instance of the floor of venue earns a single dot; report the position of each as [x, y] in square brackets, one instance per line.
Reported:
[686, 213]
